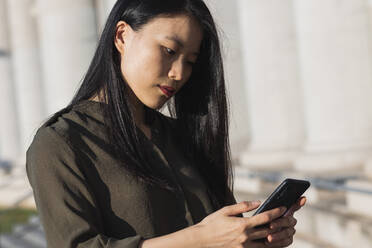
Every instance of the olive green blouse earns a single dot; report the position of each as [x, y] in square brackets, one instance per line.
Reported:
[86, 199]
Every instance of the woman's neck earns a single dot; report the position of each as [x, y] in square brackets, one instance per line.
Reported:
[137, 108]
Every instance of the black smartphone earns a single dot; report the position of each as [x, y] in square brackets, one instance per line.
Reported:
[286, 194]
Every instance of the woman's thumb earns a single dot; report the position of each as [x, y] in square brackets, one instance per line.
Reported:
[240, 207]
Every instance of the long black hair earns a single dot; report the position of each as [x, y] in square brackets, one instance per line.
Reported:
[200, 108]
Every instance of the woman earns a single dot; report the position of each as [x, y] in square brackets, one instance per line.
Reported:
[109, 170]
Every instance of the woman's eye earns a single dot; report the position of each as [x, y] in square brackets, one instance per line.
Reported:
[170, 51]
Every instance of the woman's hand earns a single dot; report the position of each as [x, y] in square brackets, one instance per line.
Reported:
[222, 229]
[283, 228]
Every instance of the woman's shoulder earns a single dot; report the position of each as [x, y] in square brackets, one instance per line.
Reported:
[47, 148]
[63, 133]
[83, 118]
[51, 139]
[54, 128]
[55, 144]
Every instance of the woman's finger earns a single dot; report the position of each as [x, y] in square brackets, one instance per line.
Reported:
[295, 207]
[259, 233]
[283, 234]
[299, 203]
[265, 217]
[239, 208]
[254, 244]
[280, 243]
[283, 222]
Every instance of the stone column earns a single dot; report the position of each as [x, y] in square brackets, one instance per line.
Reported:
[368, 165]
[26, 69]
[9, 136]
[272, 83]
[370, 13]
[101, 17]
[336, 61]
[102, 9]
[68, 37]
[227, 21]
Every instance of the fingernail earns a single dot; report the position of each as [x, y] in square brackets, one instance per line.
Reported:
[270, 238]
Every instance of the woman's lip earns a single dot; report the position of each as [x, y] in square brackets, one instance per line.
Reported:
[169, 88]
[166, 90]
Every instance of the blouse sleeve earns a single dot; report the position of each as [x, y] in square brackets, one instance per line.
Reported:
[66, 206]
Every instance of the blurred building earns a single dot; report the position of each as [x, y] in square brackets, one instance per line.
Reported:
[299, 76]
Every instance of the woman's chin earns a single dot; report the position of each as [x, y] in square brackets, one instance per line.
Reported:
[156, 105]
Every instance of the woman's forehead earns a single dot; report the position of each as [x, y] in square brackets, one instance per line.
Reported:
[182, 29]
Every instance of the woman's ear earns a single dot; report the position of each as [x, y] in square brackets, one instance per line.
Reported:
[122, 29]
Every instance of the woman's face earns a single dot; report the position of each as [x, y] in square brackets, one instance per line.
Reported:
[160, 54]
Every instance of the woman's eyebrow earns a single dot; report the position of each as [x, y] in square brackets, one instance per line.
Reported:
[178, 41]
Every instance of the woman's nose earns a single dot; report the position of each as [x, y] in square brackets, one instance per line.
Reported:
[178, 71]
